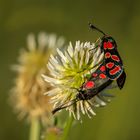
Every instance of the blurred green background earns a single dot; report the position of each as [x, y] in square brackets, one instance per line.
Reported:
[120, 18]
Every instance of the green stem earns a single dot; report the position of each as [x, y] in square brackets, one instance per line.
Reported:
[67, 128]
[34, 129]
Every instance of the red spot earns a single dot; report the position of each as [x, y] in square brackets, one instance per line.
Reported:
[115, 70]
[107, 55]
[109, 45]
[115, 58]
[94, 74]
[105, 45]
[89, 84]
[102, 76]
[102, 68]
[110, 65]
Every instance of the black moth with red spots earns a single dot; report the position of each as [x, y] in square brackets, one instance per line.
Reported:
[112, 60]
[111, 69]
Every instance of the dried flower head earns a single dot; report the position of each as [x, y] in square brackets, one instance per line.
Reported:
[27, 94]
[68, 70]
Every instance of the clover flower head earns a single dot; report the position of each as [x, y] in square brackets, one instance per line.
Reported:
[68, 70]
[27, 94]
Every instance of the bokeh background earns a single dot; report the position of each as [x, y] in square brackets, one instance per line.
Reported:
[120, 18]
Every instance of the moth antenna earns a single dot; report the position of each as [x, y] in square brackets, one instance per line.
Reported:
[97, 29]
[57, 109]
[64, 106]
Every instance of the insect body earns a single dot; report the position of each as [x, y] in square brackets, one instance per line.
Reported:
[112, 60]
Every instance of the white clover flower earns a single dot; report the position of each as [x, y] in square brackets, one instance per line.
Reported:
[68, 70]
[27, 94]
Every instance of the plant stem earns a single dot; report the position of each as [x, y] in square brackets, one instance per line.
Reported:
[34, 129]
[67, 128]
